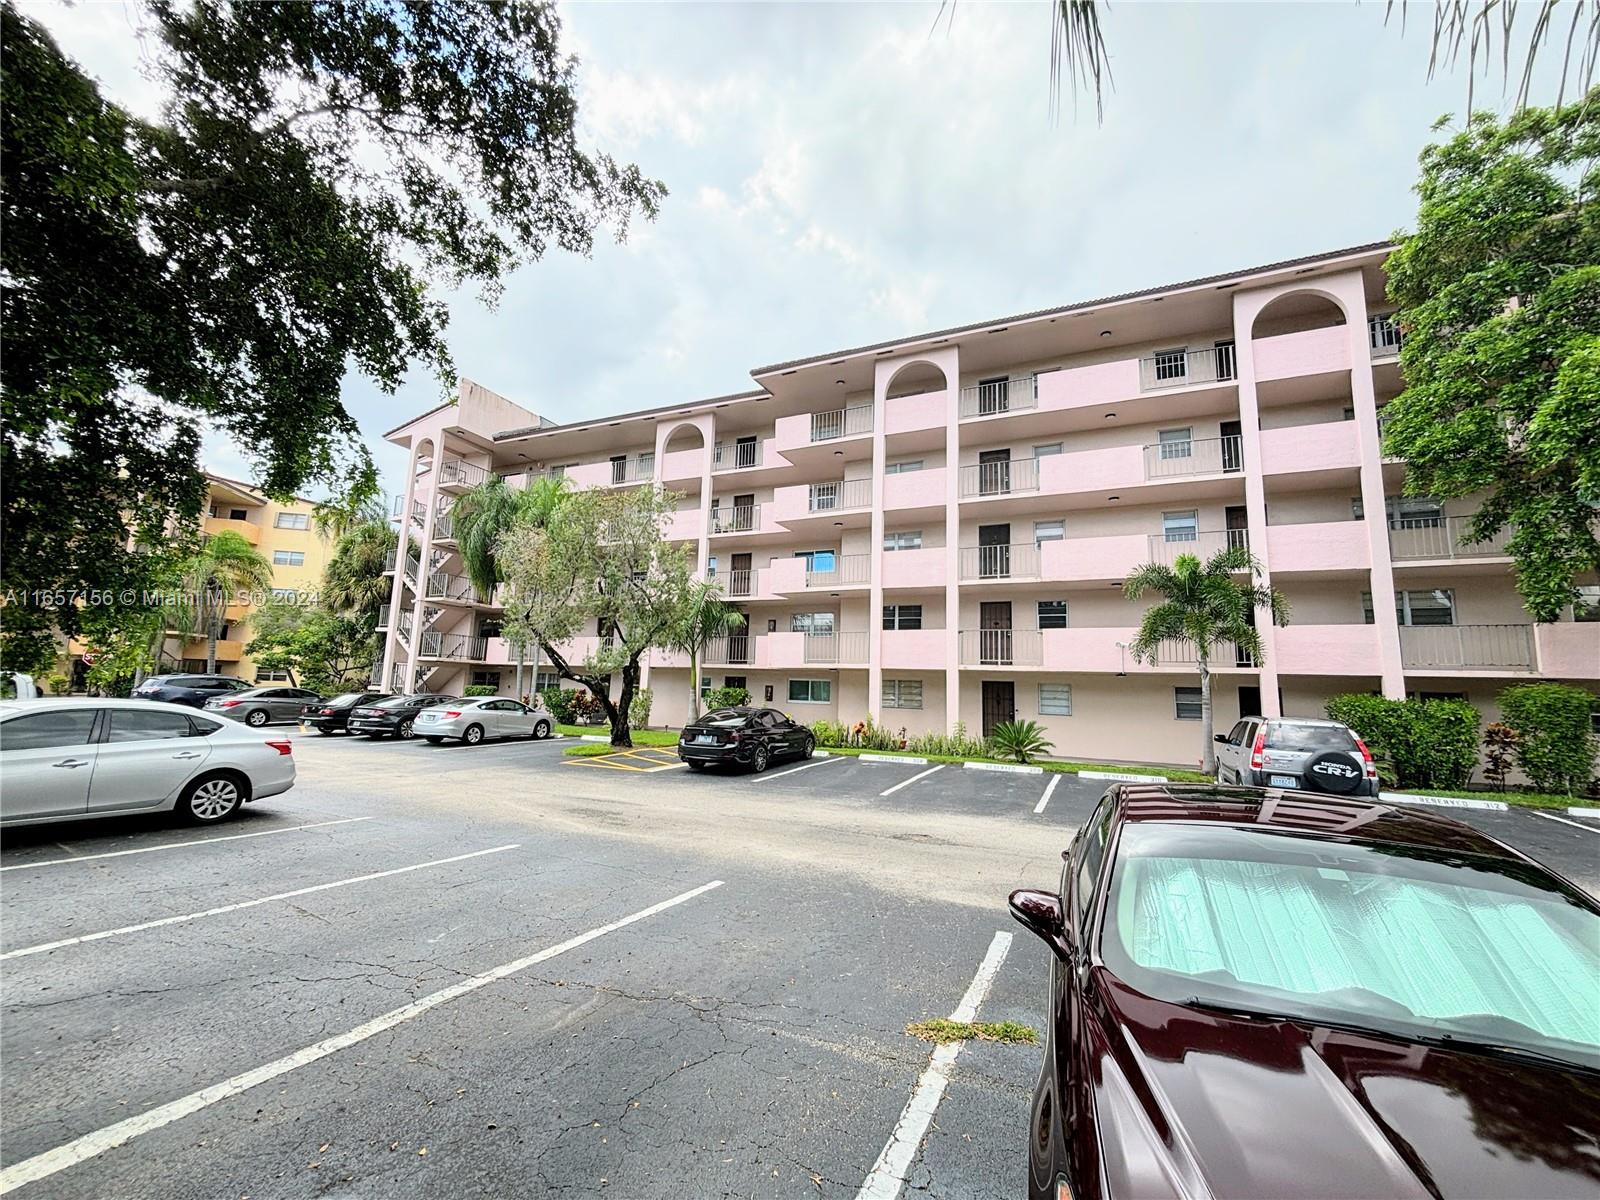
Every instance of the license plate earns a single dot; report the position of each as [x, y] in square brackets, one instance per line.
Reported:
[428, 717]
[705, 739]
[1288, 781]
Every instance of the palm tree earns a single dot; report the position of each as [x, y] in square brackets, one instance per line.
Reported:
[1205, 606]
[706, 616]
[353, 581]
[213, 577]
[335, 518]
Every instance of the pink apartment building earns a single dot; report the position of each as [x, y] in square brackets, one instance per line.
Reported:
[935, 529]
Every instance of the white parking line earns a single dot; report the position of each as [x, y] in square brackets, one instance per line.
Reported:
[1045, 799]
[41, 1166]
[1564, 821]
[232, 837]
[797, 770]
[908, 782]
[889, 1172]
[228, 908]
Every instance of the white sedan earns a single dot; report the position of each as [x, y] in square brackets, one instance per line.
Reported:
[68, 759]
[479, 717]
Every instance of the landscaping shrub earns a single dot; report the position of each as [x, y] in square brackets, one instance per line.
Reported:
[478, 689]
[1019, 741]
[955, 744]
[1416, 743]
[727, 697]
[586, 707]
[828, 733]
[559, 701]
[639, 709]
[59, 685]
[1556, 746]
[1500, 744]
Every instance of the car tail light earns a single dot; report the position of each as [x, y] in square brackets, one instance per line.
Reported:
[327, 712]
[282, 747]
[1261, 744]
[736, 736]
[229, 703]
[450, 714]
[1366, 758]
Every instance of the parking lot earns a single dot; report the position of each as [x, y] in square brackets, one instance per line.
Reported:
[440, 971]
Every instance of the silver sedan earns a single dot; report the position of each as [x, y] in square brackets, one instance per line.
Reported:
[479, 717]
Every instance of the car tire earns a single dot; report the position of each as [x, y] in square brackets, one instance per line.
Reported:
[541, 730]
[256, 718]
[323, 732]
[431, 739]
[472, 736]
[405, 730]
[212, 798]
[760, 759]
[809, 747]
[695, 766]
[1222, 776]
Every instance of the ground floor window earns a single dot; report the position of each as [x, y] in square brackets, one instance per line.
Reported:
[705, 686]
[1436, 695]
[486, 679]
[1186, 703]
[1055, 699]
[272, 677]
[902, 693]
[810, 691]
[546, 679]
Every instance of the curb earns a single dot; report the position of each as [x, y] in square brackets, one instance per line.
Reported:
[594, 737]
[1444, 801]
[909, 760]
[1122, 776]
[1583, 811]
[1008, 768]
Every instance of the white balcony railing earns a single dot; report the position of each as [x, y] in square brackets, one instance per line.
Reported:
[842, 493]
[1165, 547]
[1001, 648]
[846, 647]
[735, 456]
[1180, 368]
[454, 647]
[1000, 478]
[1467, 647]
[1000, 396]
[1020, 561]
[735, 650]
[638, 468]
[741, 518]
[847, 569]
[444, 586]
[1440, 537]
[1182, 654]
[1384, 336]
[741, 582]
[455, 472]
[841, 423]
[1194, 456]
[443, 527]
[384, 615]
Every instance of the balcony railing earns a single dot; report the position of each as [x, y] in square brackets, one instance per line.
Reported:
[742, 518]
[444, 586]
[1020, 561]
[735, 650]
[413, 564]
[735, 456]
[641, 468]
[399, 505]
[403, 626]
[1180, 368]
[455, 647]
[847, 647]
[459, 473]
[444, 526]
[1001, 648]
[1440, 537]
[847, 568]
[1000, 396]
[383, 615]
[843, 493]
[1466, 647]
[1165, 547]
[1194, 456]
[741, 582]
[1182, 654]
[1000, 478]
[1384, 335]
[841, 423]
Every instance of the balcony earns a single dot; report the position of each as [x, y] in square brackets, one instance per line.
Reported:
[735, 650]
[993, 563]
[745, 584]
[744, 518]
[915, 489]
[844, 648]
[1384, 335]
[1308, 353]
[1413, 538]
[1325, 454]
[621, 471]
[248, 530]
[1344, 650]
[228, 649]
[1013, 476]
[1569, 650]
[912, 649]
[812, 506]
[413, 565]
[1318, 546]
[1001, 648]
[1092, 559]
[452, 589]
[1466, 647]
[789, 576]
[922, 569]
[458, 475]
[809, 439]
[741, 456]
[681, 526]
[916, 421]
[999, 396]
[682, 466]
[841, 423]
[1184, 368]
[444, 527]
[452, 647]
[1195, 456]
[1165, 547]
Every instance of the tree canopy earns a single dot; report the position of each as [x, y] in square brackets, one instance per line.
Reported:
[317, 172]
[1499, 295]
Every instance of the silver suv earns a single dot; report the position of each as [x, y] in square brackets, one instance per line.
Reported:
[1295, 752]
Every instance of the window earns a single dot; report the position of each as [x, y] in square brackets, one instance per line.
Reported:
[288, 558]
[1052, 614]
[265, 676]
[900, 468]
[1437, 607]
[128, 725]
[1176, 443]
[491, 627]
[1047, 450]
[902, 616]
[1093, 852]
[810, 691]
[486, 679]
[705, 686]
[818, 561]
[48, 730]
[1405, 512]
[1049, 531]
[1171, 364]
[1186, 703]
[292, 520]
[546, 679]
[1055, 699]
[237, 514]
[902, 693]
[811, 622]
[735, 681]
[1587, 606]
[906, 539]
[1180, 526]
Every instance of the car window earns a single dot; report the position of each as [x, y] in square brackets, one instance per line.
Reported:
[1247, 736]
[1301, 735]
[1236, 734]
[46, 730]
[1094, 851]
[347, 701]
[147, 725]
[204, 725]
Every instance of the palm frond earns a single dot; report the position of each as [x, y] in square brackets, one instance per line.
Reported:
[1477, 26]
[1078, 49]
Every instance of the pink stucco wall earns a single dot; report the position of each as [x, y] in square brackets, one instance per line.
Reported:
[915, 489]
[1568, 649]
[1328, 446]
[1092, 470]
[923, 568]
[1326, 649]
[1084, 387]
[912, 649]
[681, 466]
[910, 414]
[1310, 352]
[1074, 559]
[1319, 546]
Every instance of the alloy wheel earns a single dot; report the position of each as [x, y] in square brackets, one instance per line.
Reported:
[214, 799]
[256, 719]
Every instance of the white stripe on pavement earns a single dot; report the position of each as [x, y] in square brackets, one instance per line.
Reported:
[228, 908]
[41, 1166]
[1007, 768]
[1045, 799]
[908, 782]
[1565, 821]
[889, 1172]
[797, 770]
[231, 837]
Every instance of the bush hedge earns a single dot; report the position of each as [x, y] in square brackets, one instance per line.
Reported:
[639, 709]
[559, 701]
[727, 697]
[478, 689]
[1556, 743]
[1416, 743]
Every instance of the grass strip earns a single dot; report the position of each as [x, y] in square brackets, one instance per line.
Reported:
[1177, 775]
[941, 1030]
[641, 737]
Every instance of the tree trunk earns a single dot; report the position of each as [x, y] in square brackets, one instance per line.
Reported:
[519, 674]
[1208, 759]
[694, 685]
[620, 735]
[213, 633]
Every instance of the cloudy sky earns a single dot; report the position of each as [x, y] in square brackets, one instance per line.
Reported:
[840, 174]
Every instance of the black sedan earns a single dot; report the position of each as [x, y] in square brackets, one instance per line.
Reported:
[193, 690]
[394, 716]
[746, 737]
[330, 716]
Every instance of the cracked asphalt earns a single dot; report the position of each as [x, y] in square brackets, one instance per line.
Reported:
[745, 1042]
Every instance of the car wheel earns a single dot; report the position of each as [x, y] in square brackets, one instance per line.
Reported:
[256, 718]
[696, 766]
[1222, 776]
[404, 732]
[472, 736]
[210, 799]
[760, 759]
[809, 747]
[541, 730]
[431, 740]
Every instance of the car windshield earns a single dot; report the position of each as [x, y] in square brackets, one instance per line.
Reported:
[725, 716]
[1300, 735]
[1416, 943]
[345, 701]
[397, 702]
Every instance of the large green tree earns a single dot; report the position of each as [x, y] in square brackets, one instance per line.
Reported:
[225, 571]
[1499, 295]
[317, 173]
[325, 650]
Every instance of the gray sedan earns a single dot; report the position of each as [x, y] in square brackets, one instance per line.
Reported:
[479, 717]
[258, 705]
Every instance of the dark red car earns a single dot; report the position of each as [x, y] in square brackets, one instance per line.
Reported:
[1279, 994]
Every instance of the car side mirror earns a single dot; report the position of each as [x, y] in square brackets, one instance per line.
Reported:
[1043, 914]
[1220, 737]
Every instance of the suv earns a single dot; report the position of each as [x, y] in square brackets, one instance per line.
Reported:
[1294, 752]
[193, 690]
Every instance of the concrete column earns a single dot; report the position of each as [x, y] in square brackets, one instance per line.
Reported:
[430, 500]
[1245, 308]
[880, 457]
[952, 538]
[392, 645]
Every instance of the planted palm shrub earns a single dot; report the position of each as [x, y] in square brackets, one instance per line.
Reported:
[955, 744]
[1019, 741]
[828, 733]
